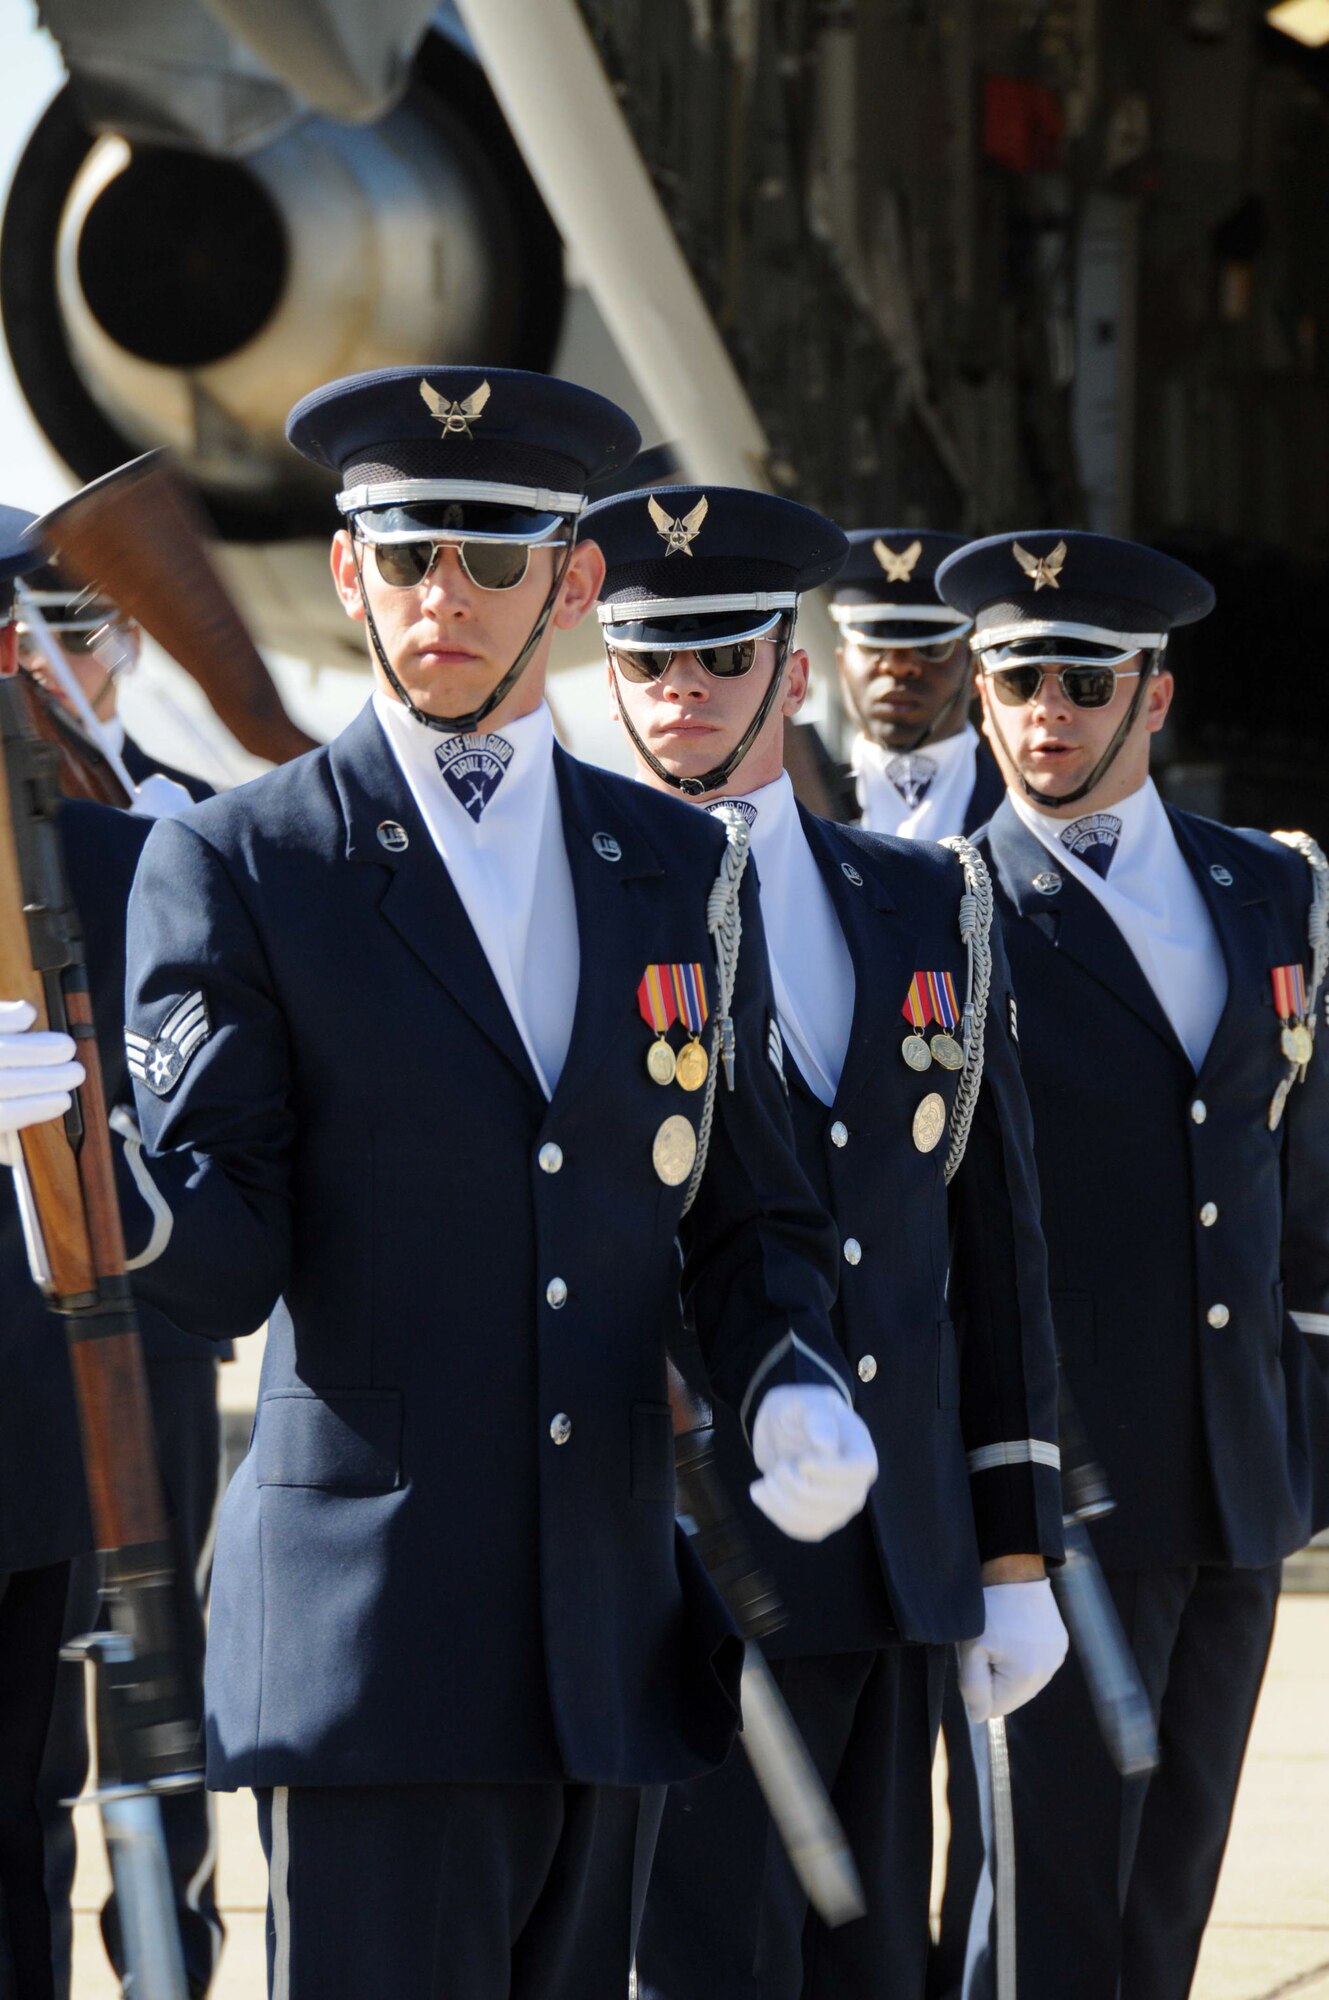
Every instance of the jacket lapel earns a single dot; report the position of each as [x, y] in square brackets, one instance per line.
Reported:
[1074, 922]
[1238, 907]
[882, 950]
[418, 900]
[607, 852]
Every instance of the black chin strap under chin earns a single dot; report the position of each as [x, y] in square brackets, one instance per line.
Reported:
[711, 781]
[465, 725]
[1105, 762]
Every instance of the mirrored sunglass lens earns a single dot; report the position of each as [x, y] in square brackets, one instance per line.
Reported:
[1089, 687]
[938, 651]
[401, 564]
[727, 663]
[495, 565]
[1016, 685]
[643, 666]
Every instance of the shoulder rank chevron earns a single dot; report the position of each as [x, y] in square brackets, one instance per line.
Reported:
[160, 1060]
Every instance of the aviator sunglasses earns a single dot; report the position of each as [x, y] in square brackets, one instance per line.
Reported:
[934, 651]
[489, 565]
[1082, 686]
[723, 663]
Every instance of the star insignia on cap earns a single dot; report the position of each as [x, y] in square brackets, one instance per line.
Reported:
[681, 534]
[1042, 569]
[456, 418]
[898, 567]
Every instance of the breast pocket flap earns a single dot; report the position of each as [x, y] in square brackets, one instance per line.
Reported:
[344, 1440]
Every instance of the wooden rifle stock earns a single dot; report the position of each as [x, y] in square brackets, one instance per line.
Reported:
[147, 1732]
[136, 537]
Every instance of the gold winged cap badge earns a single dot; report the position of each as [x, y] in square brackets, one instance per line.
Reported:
[898, 567]
[1042, 569]
[678, 535]
[456, 418]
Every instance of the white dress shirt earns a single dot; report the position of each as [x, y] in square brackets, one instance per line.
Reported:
[920, 794]
[500, 833]
[812, 973]
[1154, 900]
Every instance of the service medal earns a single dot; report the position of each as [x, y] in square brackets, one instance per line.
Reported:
[1303, 1044]
[931, 997]
[658, 1007]
[693, 1009]
[929, 1121]
[1295, 1038]
[674, 1150]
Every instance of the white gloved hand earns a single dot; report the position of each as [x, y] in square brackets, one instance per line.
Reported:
[818, 1459]
[37, 1072]
[1022, 1645]
[160, 797]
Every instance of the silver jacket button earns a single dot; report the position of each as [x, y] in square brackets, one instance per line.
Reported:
[853, 1250]
[550, 1157]
[839, 1133]
[1199, 1111]
[557, 1293]
[1218, 1315]
[1209, 1214]
[560, 1430]
[867, 1368]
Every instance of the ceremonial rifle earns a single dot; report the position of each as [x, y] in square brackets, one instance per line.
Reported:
[65, 1181]
[813, 1837]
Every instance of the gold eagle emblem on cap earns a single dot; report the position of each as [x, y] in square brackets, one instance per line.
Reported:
[1042, 569]
[456, 418]
[898, 567]
[678, 535]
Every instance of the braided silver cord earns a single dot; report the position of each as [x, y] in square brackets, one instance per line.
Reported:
[976, 931]
[724, 921]
[1317, 923]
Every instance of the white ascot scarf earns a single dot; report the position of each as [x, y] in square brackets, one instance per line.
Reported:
[499, 830]
[1154, 900]
[812, 973]
[920, 794]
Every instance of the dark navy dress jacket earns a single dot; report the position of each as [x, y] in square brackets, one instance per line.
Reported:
[414, 1581]
[1188, 1243]
[943, 1318]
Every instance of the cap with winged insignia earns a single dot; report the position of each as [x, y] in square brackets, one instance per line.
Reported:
[1042, 569]
[885, 594]
[515, 451]
[1111, 596]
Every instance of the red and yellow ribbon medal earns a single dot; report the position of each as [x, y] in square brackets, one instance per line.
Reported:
[1289, 983]
[690, 994]
[931, 997]
[659, 1010]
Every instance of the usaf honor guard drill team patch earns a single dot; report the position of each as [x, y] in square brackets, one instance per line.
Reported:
[1093, 840]
[159, 1061]
[473, 768]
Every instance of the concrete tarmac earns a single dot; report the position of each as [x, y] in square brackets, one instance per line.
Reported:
[1268, 1938]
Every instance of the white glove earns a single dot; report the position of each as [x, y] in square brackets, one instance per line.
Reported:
[1023, 1644]
[818, 1459]
[37, 1072]
[160, 797]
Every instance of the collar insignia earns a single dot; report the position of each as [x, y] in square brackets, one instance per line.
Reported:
[899, 568]
[159, 1060]
[745, 809]
[1041, 569]
[473, 768]
[912, 777]
[456, 418]
[678, 536]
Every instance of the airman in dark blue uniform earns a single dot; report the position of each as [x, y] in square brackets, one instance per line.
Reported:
[942, 1315]
[1169, 973]
[392, 1073]
[917, 768]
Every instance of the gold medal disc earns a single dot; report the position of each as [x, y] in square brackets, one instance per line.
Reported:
[929, 1121]
[1287, 1042]
[1304, 1044]
[674, 1150]
[916, 1052]
[948, 1052]
[660, 1062]
[692, 1066]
